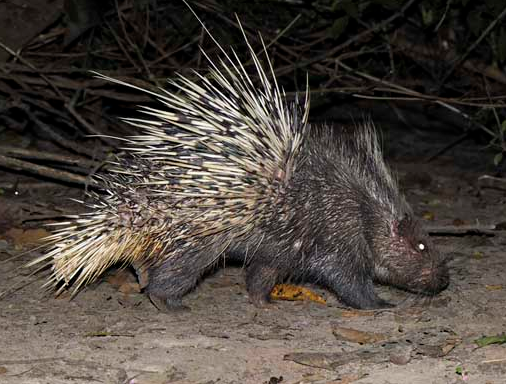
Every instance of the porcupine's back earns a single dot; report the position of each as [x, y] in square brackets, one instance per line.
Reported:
[351, 157]
[207, 164]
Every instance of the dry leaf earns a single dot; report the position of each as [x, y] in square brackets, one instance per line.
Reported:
[129, 288]
[293, 293]
[22, 237]
[356, 313]
[124, 282]
[355, 336]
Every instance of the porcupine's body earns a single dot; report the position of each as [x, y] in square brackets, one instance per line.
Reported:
[340, 222]
[227, 169]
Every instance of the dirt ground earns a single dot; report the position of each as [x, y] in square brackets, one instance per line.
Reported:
[109, 334]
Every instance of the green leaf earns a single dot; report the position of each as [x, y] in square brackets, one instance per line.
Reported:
[503, 126]
[339, 26]
[459, 370]
[487, 340]
[427, 16]
[498, 159]
[350, 7]
[495, 6]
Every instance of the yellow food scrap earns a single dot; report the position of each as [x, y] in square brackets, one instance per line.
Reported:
[493, 287]
[293, 292]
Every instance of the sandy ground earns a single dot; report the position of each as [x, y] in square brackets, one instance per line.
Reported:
[105, 335]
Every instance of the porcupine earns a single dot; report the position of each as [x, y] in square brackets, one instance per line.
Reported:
[228, 169]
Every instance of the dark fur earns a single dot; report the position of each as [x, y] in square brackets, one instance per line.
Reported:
[341, 225]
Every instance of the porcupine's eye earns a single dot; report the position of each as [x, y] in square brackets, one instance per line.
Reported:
[420, 246]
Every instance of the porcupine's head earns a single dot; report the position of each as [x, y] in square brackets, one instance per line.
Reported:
[406, 257]
[403, 254]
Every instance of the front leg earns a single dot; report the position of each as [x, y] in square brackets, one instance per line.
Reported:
[349, 274]
[357, 292]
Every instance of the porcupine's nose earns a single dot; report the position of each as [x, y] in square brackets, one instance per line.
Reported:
[440, 279]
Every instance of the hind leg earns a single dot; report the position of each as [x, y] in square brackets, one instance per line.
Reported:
[142, 274]
[167, 287]
[175, 277]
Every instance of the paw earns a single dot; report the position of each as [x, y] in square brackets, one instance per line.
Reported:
[382, 304]
[376, 304]
[168, 305]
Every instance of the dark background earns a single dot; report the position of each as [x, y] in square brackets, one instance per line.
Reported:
[431, 74]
